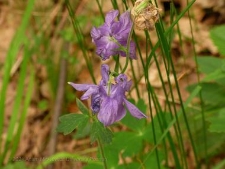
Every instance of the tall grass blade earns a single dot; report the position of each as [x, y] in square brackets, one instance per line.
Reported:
[10, 58]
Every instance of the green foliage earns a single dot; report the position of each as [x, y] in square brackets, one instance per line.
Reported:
[213, 90]
[217, 122]
[212, 98]
[16, 165]
[98, 131]
[82, 107]
[64, 155]
[70, 122]
[43, 105]
[218, 37]
[17, 117]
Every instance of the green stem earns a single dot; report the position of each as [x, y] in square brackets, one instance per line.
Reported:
[128, 49]
[117, 65]
[102, 153]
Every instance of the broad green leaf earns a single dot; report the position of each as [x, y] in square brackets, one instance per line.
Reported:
[213, 67]
[83, 131]
[93, 166]
[214, 76]
[148, 132]
[133, 165]
[218, 37]
[218, 122]
[98, 131]
[209, 64]
[129, 143]
[151, 160]
[82, 107]
[111, 156]
[69, 122]
[212, 93]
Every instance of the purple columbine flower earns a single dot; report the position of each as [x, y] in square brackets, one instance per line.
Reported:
[108, 100]
[112, 34]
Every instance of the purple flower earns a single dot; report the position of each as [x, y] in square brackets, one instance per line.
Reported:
[112, 34]
[108, 100]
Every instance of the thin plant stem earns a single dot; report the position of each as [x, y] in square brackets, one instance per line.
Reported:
[200, 93]
[80, 38]
[128, 49]
[100, 9]
[135, 79]
[102, 153]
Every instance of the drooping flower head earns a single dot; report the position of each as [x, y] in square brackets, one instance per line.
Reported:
[108, 98]
[144, 15]
[112, 35]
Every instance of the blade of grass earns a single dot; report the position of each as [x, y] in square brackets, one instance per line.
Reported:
[80, 38]
[65, 156]
[165, 46]
[10, 58]
[173, 121]
[18, 101]
[148, 61]
[200, 94]
[22, 119]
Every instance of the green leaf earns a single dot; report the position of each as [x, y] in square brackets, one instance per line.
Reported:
[151, 161]
[83, 131]
[214, 68]
[132, 165]
[98, 131]
[148, 132]
[218, 37]
[128, 142]
[91, 166]
[214, 76]
[111, 156]
[212, 93]
[217, 123]
[82, 107]
[209, 64]
[69, 122]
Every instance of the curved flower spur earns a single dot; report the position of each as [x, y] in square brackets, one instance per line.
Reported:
[108, 98]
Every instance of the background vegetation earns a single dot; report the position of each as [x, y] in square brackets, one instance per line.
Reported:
[178, 81]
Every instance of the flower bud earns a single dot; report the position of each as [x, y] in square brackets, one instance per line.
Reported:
[144, 15]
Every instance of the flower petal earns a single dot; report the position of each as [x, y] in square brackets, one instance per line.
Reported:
[95, 102]
[105, 73]
[125, 22]
[134, 111]
[108, 112]
[110, 16]
[132, 49]
[121, 112]
[81, 87]
[89, 92]
[95, 34]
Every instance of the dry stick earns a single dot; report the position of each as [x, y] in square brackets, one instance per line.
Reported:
[58, 105]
